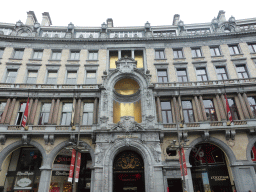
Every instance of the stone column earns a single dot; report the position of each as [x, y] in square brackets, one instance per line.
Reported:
[33, 112]
[200, 118]
[56, 112]
[51, 112]
[223, 99]
[243, 106]
[45, 179]
[119, 54]
[176, 110]
[133, 56]
[77, 114]
[5, 110]
[29, 109]
[202, 108]
[95, 111]
[248, 105]
[221, 108]
[98, 179]
[9, 114]
[73, 111]
[180, 109]
[159, 110]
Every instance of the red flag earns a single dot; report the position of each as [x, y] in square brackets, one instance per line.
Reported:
[228, 110]
[72, 165]
[78, 166]
[25, 116]
[184, 163]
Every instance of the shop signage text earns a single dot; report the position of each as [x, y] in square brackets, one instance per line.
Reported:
[219, 178]
[24, 182]
[25, 173]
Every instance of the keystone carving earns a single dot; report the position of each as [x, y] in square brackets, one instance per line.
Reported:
[127, 124]
[2, 139]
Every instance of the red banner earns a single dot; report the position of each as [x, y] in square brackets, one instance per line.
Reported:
[228, 110]
[25, 116]
[72, 165]
[184, 163]
[167, 189]
[78, 166]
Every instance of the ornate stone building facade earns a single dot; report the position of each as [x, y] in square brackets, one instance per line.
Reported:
[136, 96]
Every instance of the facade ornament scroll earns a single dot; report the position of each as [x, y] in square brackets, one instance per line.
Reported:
[98, 153]
[105, 100]
[148, 99]
[25, 139]
[2, 139]
[127, 124]
[156, 151]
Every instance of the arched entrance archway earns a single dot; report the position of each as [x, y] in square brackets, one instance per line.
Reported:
[209, 169]
[128, 172]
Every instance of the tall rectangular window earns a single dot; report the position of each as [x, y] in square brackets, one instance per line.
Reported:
[252, 47]
[18, 53]
[71, 77]
[1, 52]
[20, 113]
[242, 72]
[182, 75]
[11, 76]
[252, 103]
[56, 55]
[2, 106]
[187, 111]
[177, 53]
[233, 109]
[196, 52]
[215, 51]
[31, 77]
[234, 49]
[52, 77]
[44, 114]
[162, 76]
[210, 110]
[166, 111]
[38, 54]
[66, 113]
[88, 114]
[93, 55]
[74, 55]
[201, 74]
[159, 54]
[221, 73]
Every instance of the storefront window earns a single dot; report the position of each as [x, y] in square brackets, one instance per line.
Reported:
[23, 174]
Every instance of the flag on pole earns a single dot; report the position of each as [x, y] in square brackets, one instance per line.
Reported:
[72, 165]
[228, 110]
[78, 166]
[25, 116]
[183, 165]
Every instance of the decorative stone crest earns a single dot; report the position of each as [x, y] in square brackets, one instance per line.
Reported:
[127, 124]
[126, 64]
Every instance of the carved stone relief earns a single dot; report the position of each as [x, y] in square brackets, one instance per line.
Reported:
[127, 123]
[99, 153]
[156, 151]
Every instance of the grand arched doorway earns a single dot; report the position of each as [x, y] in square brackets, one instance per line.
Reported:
[209, 169]
[128, 172]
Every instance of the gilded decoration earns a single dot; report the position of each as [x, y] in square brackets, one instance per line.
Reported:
[128, 160]
[127, 87]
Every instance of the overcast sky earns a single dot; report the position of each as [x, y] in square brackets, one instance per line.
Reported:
[125, 13]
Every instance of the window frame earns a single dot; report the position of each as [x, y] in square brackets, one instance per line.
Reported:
[76, 52]
[213, 50]
[233, 109]
[233, 52]
[18, 54]
[221, 66]
[245, 71]
[93, 53]
[37, 51]
[7, 75]
[28, 78]
[88, 112]
[163, 69]
[179, 69]
[66, 80]
[198, 68]
[20, 113]
[213, 117]
[58, 54]
[168, 117]
[67, 113]
[178, 50]
[47, 77]
[252, 106]
[160, 54]
[196, 50]
[253, 47]
[44, 112]
[187, 112]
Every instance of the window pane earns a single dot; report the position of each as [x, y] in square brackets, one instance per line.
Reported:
[217, 51]
[85, 118]
[194, 53]
[91, 74]
[180, 54]
[164, 116]
[198, 51]
[162, 73]
[175, 54]
[166, 105]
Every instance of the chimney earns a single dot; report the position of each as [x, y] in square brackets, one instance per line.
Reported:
[221, 16]
[110, 22]
[176, 19]
[46, 21]
[31, 18]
